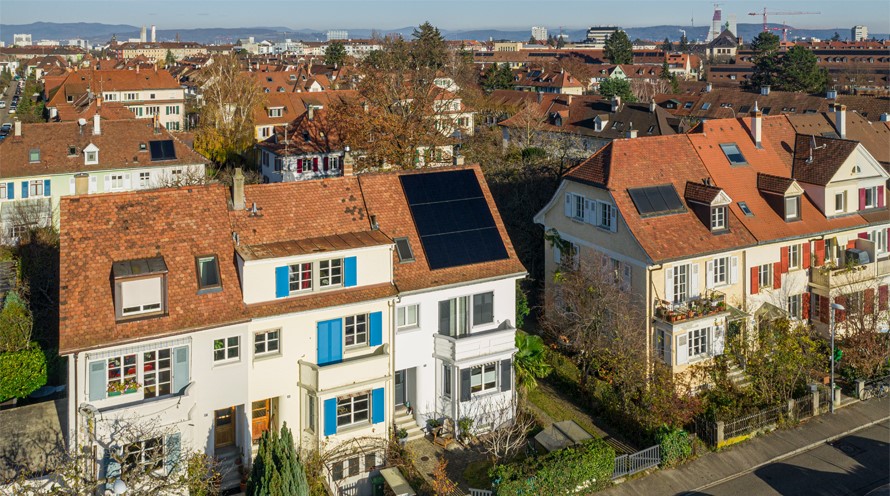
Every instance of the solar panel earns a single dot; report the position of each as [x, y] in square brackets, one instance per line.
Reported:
[452, 217]
[656, 200]
[161, 150]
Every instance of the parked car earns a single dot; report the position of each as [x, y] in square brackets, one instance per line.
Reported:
[4, 129]
[2, 104]
[11, 110]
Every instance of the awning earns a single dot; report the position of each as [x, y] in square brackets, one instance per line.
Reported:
[396, 482]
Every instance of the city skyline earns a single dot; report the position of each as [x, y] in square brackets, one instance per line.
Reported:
[447, 15]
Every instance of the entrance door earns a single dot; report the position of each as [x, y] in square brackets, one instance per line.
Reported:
[260, 419]
[400, 387]
[224, 427]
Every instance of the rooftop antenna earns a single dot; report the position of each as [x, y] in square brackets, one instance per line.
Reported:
[813, 147]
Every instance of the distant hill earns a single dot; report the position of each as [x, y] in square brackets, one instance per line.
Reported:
[101, 33]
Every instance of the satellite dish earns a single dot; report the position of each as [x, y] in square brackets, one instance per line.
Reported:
[82, 121]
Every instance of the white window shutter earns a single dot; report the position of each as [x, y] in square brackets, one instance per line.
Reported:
[613, 221]
[107, 183]
[693, 281]
[682, 349]
[595, 212]
[709, 275]
[94, 184]
[71, 185]
[128, 184]
[734, 270]
[589, 211]
[568, 206]
[669, 284]
[717, 341]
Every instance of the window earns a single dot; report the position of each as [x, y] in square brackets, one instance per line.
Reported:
[718, 218]
[606, 215]
[483, 308]
[353, 409]
[311, 407]
[208, 273]
[577, 207]
[72, 151]
[172, 109]
[706, 105]
[871, 197]
[792, 208]
[794, 256]
[330, 273]
[151, 96]
[840, 202]
[144, 179]
[131, 96]
[275, 112]
[300, 277]
[117, 180]
[681, 283]
[139, 287]
[720, 271]
[91, 157]
[406, 317]
[453, 316]
[2, 191]
[879, 237]
[687, 105]
[816, 307]
[266, 343]
[733, 154]
[172, 126]
[226, 349]
[355, 330]
[403, 248]
[157, 372]
[35, 188]
[446, 380]
[794, 306]
[483, 378]
[144, 456]
[121, 373]
[34, 155]
[765, 276]
[698, 342]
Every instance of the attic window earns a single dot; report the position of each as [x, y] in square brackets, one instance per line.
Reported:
[142, 147]
[706, 106]
[765, 110]
[72, 151]
[745, 210]
[34, 155]
[208, 274]
[140, 287]
[403, 248]
[718, 218]
[688, 105]
[792, 208]
[651, 128]
[733, 154]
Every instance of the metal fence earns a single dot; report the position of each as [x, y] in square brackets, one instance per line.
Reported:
[802, 407]
[706, 430]
[637, 462]
[751, 423]
[480, 492]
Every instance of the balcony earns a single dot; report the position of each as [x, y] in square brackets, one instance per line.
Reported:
[357, 370]
[884, 266]
[831, 277]
[478, 344]
[709, 304]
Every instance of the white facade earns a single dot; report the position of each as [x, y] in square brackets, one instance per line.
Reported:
[21, 39]
[337, 34]
[859, 33]
[168, 104]
[539, 33]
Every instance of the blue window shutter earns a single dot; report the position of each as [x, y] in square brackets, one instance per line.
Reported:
[376, 336]
[46, 187]
[349, 279]
[180, 369]
[10, 191]
[330, 341]
[378, 411]
[97, 380]
[282, 283]
[330, 417]
[324, 346]
[171, 452]
[24, 189]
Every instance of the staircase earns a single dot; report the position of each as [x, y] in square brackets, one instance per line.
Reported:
[736, 374]
[407, 422]
[229, 459]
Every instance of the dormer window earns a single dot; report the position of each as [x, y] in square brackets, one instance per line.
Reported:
[208, 274]
[140, 288]
[91, 155]
[34, 155]
[792, 208]
[718, 218]
[275, 111]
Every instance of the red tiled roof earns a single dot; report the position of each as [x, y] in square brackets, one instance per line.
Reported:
[818, 164]
[701, 193]
[112, 80]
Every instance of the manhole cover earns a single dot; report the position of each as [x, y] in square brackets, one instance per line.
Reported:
[424, 458]
[848, 449]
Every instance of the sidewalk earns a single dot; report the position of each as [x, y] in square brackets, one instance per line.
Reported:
[712, 468]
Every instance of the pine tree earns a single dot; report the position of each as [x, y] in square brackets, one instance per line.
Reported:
[277, 469]
[799, 71]
[169, 60]
[766, 60]
[428, 49]
[836, 37]
[684, 44]
[667, 46]
[560, 42]
[335, 54]
[618, 49]
[665, 71]
[617, 87]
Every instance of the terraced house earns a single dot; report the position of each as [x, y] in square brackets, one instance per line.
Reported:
[739, 220]
[324, 304]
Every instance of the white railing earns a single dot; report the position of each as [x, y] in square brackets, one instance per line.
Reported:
[480, 492]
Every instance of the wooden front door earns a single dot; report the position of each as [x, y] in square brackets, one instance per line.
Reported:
[224, 427]
[260, 419]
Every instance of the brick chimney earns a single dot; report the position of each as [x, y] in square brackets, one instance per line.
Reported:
[757, 125]
[348, 162]
[238, 190]
[652, 106]
[18, 127]
[616, 103]
[840, 120]
[81, 184]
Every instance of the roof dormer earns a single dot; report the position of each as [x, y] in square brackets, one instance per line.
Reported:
[710, 204]
[91, 155]
[782, 194]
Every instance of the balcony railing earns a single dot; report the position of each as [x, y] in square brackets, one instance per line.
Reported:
[884, 266]
[711, 303]
[351, 371]
[477, 344]
[834, 277]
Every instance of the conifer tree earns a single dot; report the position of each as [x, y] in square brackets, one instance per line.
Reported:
[277, 469]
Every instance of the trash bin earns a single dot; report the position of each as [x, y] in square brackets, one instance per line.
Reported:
[377, 483]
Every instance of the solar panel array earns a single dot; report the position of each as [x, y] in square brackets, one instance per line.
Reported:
[161, 150]
[452, 218]
[656, 200]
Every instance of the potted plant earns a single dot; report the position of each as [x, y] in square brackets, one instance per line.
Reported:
[245, 474]
[465, 424]
[433, 425]
[402, 435]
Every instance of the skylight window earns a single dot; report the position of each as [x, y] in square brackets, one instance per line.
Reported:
[403, 248]
[706, 106]
[733, 154]
[688, 105]
[765, 110]
[745, 210]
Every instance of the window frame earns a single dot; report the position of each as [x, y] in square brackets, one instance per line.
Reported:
[227, 354]
[765, 276]
[157, 373]
[871, 197]
[842, 196]
[144, 180]
[794, 306]
[680, 283]
[266, 343]
[210, 288]
[697, 340]
[151, 457]
[331, 269]
[447, 381]
[35, 188]
[302, 280]
[473, 304]
[124, 377]
[483, 387]
[718, 218]
[795, 200]
[605, 220]
[32, 153]
[721, 267]
[350, 403]
[728, 152]
[402, 314]
[358, 329]
[794, 257]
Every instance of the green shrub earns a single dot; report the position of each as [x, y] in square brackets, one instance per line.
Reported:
[585, 468]
[676, 446]
[522, 308]
[21, 372]
[277, 468]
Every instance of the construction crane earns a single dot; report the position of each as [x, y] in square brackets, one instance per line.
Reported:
[764, 14]
[784, 29]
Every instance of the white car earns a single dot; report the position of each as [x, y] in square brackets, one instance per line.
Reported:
[2, 104]
[11, 110]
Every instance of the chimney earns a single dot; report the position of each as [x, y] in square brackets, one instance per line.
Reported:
[885, 117]
[18, 127]
[348, 162]
[757, 125]
[831, 94]
[540, 97]
[137, 68]
[238, 190]
[97, 126]
[764, 90]
[616, 103]
[570, 100]
[457, 159]
[81, 183]
[652, 106]
[98, 102]
[631, 133]
[709, 87]
[840, 120]
[310, 113]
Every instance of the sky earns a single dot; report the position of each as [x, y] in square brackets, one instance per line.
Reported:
[445, 14]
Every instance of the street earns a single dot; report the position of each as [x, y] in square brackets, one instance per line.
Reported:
[852, 465]
[5, 116]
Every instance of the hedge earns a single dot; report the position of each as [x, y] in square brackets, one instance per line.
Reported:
[586, 468]
[21, 372]
[676, 446]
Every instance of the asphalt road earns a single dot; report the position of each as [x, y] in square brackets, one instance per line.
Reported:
[853, 465]
[5, 116]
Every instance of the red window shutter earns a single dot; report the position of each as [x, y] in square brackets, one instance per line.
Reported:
[880, 197]
[861, 198]
[823, 309]
[869, 304]
[777, 275]
[863, 235]
[315, 164]
[755, 280]
[839, 315]
[805, 306]
[299, 166]
[325, 163]
[784, 258]
[805, 254]
[820, 253]
[882, 297]
[851, 244]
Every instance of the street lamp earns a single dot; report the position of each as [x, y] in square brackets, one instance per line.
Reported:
[834, 306]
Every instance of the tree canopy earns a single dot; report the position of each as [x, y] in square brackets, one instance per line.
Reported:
[766, 63]
[497, 77]
[620, 87]
[277, 468]
[429, 49]
[618, 49]
[335, 53]
[169, 59]
[667, 46]
[799, 71]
